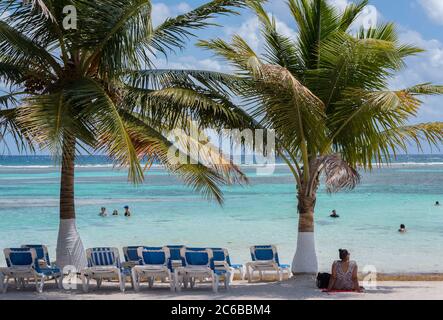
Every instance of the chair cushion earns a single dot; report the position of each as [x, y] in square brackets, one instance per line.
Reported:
[264, 254]
[21, 258]
[154, 257]
[132, 254]
[197, 258]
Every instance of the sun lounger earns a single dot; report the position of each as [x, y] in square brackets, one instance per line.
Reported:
[199, 265]
[103, 263]
[265, 258]
[222, 258]
[131, 257]
[154, 264]
[22, 265]
[175, 260]
[42, 255]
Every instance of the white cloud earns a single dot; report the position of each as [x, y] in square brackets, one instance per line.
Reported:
[368, 17]
[162, 11]
[285, 30]
[423, 68]
[434, 9]
[339, 4]
[250, 32]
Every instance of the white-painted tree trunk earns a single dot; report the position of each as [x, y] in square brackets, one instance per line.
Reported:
[70, 250]
[305, 259]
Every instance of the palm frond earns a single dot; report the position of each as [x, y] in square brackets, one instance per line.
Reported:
[316, 21]
[112, 29]
[203, 176]
[96, 107]
[339, 175]
[174, 32]
[416, 135]
[17, 49]
[286, 106]
[40, 4]
[350, 14]
[425, 89]
[156, 79]
[10, 127]
[279, 49]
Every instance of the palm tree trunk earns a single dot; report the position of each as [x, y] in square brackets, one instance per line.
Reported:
[305, 259]
[70, 251]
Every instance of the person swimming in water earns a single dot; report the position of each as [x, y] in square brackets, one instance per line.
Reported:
[103, 212]
[127, 212]
[334, 214]
[437, 204]
[402, 228]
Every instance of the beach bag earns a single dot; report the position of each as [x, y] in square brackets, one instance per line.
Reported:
[323, 280]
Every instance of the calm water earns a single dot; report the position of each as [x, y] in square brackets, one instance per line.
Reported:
[165, 212]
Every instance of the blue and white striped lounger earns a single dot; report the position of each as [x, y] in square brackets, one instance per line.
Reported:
[23, 264]
[265, 258]
[103, 263]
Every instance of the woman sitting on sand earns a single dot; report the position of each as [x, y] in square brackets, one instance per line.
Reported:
[344, 274]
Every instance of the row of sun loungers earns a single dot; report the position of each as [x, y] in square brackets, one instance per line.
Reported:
[180, 266]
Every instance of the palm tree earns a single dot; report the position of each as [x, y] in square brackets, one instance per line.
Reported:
[325, 92]
[95, 89]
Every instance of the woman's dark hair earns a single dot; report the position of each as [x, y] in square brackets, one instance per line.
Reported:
[402, 226]
[343, 254]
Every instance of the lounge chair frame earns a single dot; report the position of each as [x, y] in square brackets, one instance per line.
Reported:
[190, 273]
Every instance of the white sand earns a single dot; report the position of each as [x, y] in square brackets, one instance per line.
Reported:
[299, 288]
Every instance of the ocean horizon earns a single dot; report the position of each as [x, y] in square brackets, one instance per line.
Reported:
[263, 212]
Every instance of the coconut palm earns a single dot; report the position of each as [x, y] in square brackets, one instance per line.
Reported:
[325, 91]
[95, 89]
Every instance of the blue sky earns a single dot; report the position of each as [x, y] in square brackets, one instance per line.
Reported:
[420, 22]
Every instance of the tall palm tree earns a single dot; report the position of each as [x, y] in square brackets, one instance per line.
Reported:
[96, 89]
[325, 92]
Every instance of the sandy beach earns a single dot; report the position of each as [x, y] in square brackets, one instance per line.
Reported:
[300, 288]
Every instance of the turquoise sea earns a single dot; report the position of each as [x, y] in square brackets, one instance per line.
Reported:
[166, 212]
